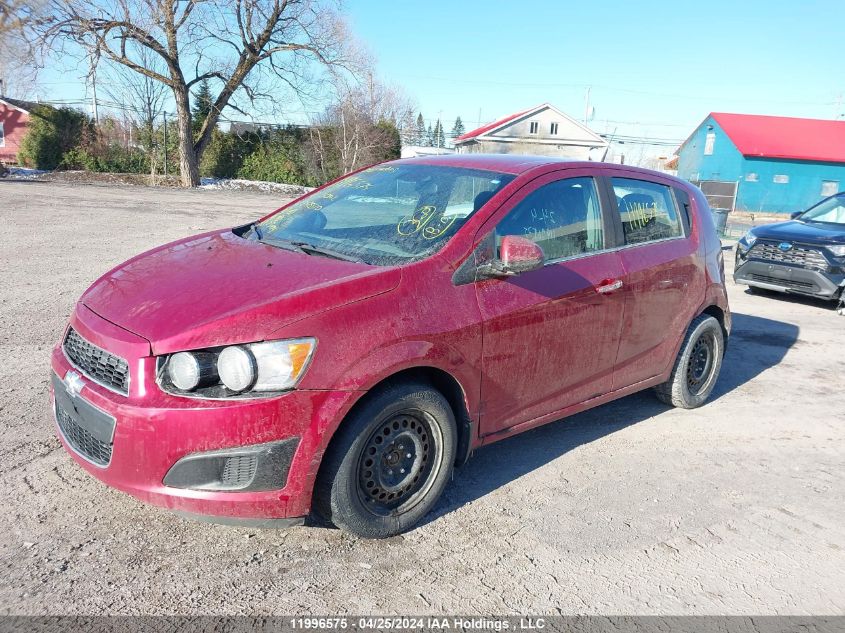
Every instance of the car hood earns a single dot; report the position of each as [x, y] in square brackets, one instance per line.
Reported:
[802, 232]
[220, 289]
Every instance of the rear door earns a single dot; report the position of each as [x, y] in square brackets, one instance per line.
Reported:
[550, 336]
[663, 282]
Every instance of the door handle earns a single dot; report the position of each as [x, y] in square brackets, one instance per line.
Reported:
[608, 286]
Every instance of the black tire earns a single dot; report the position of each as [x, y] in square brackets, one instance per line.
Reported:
[389, 462]
[697, 366]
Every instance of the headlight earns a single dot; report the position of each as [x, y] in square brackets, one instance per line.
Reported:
[838, 251]
[237, 370]
[236, 367]
[188, 370]
[747, 241]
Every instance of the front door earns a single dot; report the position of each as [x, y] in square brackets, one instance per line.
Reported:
[550, 336]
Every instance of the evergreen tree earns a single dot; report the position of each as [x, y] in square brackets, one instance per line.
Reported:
[439, 135]
[420, 136]
[203, 104]
[408, 129]
[458, 128]
[429, 137]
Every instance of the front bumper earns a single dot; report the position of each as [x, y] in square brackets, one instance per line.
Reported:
[152, 431]
[788, 279]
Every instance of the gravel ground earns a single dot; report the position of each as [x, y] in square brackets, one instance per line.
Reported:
[632, 508]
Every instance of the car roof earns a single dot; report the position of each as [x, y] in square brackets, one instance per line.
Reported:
[518, 164]
[505, 163]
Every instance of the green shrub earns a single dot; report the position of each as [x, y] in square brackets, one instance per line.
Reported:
[51, 133]
[272, 163]
[78, 158]
[225, 153]
[107, 159]
[389, 146]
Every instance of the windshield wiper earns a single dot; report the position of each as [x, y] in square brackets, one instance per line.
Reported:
[312, 249]
[256, 230]
[309, 249]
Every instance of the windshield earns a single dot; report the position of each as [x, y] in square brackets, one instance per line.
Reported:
[830, 211]
[385, 215]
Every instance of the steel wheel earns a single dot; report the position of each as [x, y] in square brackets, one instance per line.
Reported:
[399, 463]
[701, 363]
[367, 484]
[697, 365]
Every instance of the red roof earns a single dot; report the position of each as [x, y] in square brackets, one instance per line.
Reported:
[486, 128]
[785, 137]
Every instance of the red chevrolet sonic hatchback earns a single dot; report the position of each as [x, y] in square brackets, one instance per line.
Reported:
[342, 354]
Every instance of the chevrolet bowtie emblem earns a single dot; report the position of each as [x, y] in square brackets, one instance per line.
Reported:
[74, 382]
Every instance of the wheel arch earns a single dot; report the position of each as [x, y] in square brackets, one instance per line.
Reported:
[441, 380]
[717, 313]
[437, 378]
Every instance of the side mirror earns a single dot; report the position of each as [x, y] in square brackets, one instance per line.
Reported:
[795, 214]
[516, 255]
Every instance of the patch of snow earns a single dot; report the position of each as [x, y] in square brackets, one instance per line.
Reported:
[254, 185]
[22, 173]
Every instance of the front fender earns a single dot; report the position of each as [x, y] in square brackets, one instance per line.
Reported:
[371, 370]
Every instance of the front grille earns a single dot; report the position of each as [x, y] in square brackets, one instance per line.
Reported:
[796, 256]
[239, 470]
[786, 283]
[81, 440]
[99, 365]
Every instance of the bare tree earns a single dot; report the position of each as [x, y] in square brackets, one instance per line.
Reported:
[244, 46]
[20, 15]
[361, 128]
[19, 59]
[141, 98]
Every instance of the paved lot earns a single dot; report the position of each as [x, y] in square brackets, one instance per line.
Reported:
[631, 508]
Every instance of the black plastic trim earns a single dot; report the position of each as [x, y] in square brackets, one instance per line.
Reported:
[284, 522]
[204, 471]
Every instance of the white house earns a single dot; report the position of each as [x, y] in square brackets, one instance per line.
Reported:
[543, 130]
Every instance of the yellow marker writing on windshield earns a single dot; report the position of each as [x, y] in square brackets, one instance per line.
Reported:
[413, 224]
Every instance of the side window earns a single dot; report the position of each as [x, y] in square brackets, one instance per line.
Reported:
[2, 136]
[563, 217]
[469, 194]
[648, 211]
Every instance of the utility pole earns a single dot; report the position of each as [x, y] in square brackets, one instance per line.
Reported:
[94, 110]
[587, 106]
[164, 115]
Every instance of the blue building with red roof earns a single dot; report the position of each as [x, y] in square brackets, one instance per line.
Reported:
[765, 163]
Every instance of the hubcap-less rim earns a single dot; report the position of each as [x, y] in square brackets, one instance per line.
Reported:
[701, 363]
[399, 463]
